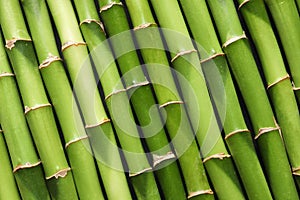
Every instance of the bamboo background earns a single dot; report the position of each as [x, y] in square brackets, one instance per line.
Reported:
[213, 110]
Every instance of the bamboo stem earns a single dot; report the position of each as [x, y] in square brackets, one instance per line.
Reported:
[8, 187]
[278, 81]
[37, 109]
[26, 165]
[186, 62]
[237, 135]
[97, 124]
[60, 92]
[244, 69]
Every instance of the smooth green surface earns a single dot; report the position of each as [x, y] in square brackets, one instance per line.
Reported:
[287, 21]
[166, 91]
[8, 187]
[61, 94]
[140, 97]
[85, 88]
[244, 69]
[206, 128]
[17, 136]
[240, 145]
[282, 95]
[22, 58]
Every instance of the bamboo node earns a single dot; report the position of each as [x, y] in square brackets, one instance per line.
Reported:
[243, 3]
[142, 26]
[170, 103]
[50, 59]
[140, 172]
[6, 74]
[296, 171]
[25, 166]
[11, 43]
[220, 156]
[71, 43]
[234, 39]
[75, 140]
[88, 21]
[60, 174]
[182, 53]
[294, 87]
[211, 57]
[200, 192]
[28, 109]
[262, 131]
[157, 159]
[1, 131]
[98, 124]
[235, 132]
[114, 93]
[278, 81]
[110, 5]
[135, 85]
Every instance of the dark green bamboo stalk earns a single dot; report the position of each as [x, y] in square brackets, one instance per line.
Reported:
[96, 121]
[168, 177]
[185, 60]
[8, 187]
[298, 4]
[177, 122]
[266, 129]
[279, 85]
[26, 165]
[286, 17]
[237, 135]
[38, 111]
[60, 92]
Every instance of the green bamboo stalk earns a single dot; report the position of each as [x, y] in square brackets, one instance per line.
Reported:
[286, 17]
[244, 68]
[298, 4]
[237, 135]
[185, 60]
[177, 122]
[279, 85]
[26, 165]
[8, 187]
[169, 176]
[111, 82]
[133, 76]
[60, 92]
[38, 111]
[97, 123]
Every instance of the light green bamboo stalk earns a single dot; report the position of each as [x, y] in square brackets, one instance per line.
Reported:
[8, 187]
[237, 135]
[244, 68]
[152, 50]
[97, 123]
[26, 165]
[38, 111]
[111, 83]
[279, 85]
[60, 92]
[286, 17]
[169, 176]
[185, 60]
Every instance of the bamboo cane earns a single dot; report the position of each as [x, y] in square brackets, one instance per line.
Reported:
[185, 60]
[168, 177]
[38, 111]
[60, 92]
[286, 17]
[168, 97]
[97, 124]
[266, 129]
[279, 85]
[237, 135]
[8, 187]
